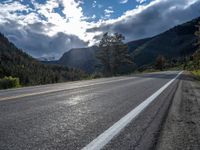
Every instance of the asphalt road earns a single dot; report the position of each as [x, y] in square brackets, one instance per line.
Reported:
[71, 115]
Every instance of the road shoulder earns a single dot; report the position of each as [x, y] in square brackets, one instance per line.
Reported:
[181, 129]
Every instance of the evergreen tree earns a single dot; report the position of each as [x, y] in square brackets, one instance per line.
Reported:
[120, 55]
[160, 62]
[196, 56]
[105, 53]
[197, 33]
[113, 53]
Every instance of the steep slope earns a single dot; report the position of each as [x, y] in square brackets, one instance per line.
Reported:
[16, 63]
[176, 42]
[81, 58]
[133, 45]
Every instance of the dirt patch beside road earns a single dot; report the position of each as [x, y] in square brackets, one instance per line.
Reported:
[181, 130]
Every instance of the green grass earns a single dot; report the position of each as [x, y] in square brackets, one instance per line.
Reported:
[9, 82]
[196, 73]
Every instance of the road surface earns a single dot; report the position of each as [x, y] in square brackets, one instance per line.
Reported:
[110, 113]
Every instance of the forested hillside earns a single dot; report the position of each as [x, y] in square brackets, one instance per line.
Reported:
[175, 43]
[14, 62]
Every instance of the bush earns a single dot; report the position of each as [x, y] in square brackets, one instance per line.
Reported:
[9, 82]
[96, 75]
[197, 74]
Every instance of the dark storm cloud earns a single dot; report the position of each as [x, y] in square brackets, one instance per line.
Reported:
[32, 39]
[153, 20]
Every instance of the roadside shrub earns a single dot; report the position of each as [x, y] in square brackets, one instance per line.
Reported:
[9, 82]
[96, 75]
[197, 74]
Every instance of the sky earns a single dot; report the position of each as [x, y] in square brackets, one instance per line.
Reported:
[48, 28]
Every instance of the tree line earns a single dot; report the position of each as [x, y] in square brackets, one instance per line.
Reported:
[193, 62]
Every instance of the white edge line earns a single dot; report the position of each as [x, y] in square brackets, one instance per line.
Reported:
[99, 142]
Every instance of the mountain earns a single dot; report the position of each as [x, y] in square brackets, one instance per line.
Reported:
[81, 58]
[175, 43]
[16, 63]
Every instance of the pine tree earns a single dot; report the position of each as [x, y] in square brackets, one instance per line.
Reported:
[113, 53]
[160, 62]
[196, 55]
[120, 55]
[105, 53]
[197, 33]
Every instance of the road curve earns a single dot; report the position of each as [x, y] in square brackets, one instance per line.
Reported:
[71, 115]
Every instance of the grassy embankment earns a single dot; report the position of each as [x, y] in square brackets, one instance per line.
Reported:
[190, 67]
[196, 73]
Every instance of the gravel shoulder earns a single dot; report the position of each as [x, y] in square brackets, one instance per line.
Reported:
[181, 129]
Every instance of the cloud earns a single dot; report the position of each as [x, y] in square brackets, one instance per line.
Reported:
[141, 1]
[150, 19]
[41, 31]
[94, 4]
[108, 12]
[123, 1]
[31, 39]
